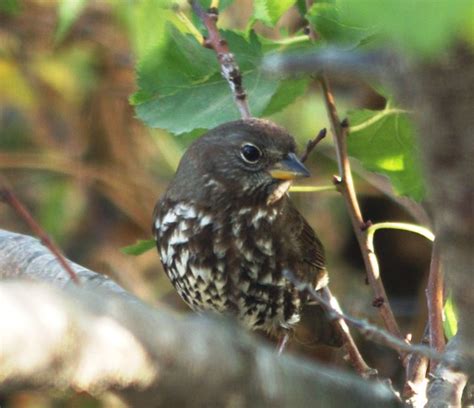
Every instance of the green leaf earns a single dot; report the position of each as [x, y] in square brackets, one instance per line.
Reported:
[421, 27]
[181, 63]
[384, 141]
[327, 21]
[450, 318]
[68, 12]
[205, 105]
[147, 20]
[286, 94]
[270, 11]
[140, 247]
[181, 88]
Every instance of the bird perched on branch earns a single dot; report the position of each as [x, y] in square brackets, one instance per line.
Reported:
[227, 231]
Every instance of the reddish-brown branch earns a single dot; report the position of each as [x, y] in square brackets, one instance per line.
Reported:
[353, 352]
[229, 67]
[9, 198]
[435, 300]
[345, 185]
[312, 143]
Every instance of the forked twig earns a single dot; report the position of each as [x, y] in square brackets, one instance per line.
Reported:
[229, 67]
[312, 143]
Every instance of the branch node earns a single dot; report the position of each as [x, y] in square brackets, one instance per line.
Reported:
[337, 180]
[213, 12]
[345, 123]
[366, 225]
[378, 302]
[206, 43]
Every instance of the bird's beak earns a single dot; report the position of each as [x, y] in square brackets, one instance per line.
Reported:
[289, 168]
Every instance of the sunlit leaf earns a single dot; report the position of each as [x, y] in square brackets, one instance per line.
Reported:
[422, 27]
[325, 18]
[147, 20]
[384, 141]
[68, 12]
[270, 11]
[450, 318]
[140, 247]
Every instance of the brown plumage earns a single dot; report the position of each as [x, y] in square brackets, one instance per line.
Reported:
[226, 229]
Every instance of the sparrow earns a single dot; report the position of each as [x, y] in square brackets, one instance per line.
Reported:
[226, 229]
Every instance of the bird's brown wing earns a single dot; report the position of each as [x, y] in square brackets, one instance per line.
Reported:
[308, 247]
[311, 268]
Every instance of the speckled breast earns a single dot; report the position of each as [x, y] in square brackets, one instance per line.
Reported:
[229, 265]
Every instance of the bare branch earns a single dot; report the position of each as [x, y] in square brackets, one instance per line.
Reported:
[229, 67]
[370, 331]
[353, 352]
[102, 339]
[435, 298]
[9, 198]
[345, 184]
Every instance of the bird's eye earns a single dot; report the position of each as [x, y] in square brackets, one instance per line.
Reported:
[250, 153]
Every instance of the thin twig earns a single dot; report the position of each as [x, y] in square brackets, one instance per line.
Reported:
[9, 198]
[435, 300]
[229, 67]
[312, 143]
[353, 352]
[345, 185]
[371, 332]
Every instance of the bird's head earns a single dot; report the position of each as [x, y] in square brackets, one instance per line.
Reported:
[251, 160]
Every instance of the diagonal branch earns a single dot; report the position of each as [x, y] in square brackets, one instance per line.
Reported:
[345, 185]
[9, 198]
[229, 67]
[354, 355]
[353, 352]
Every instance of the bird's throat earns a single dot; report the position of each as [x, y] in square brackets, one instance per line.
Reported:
[280, 190]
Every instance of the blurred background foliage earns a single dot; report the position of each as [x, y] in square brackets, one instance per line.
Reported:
[73, 151]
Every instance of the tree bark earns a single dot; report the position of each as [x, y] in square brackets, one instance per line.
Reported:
[98, 338]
